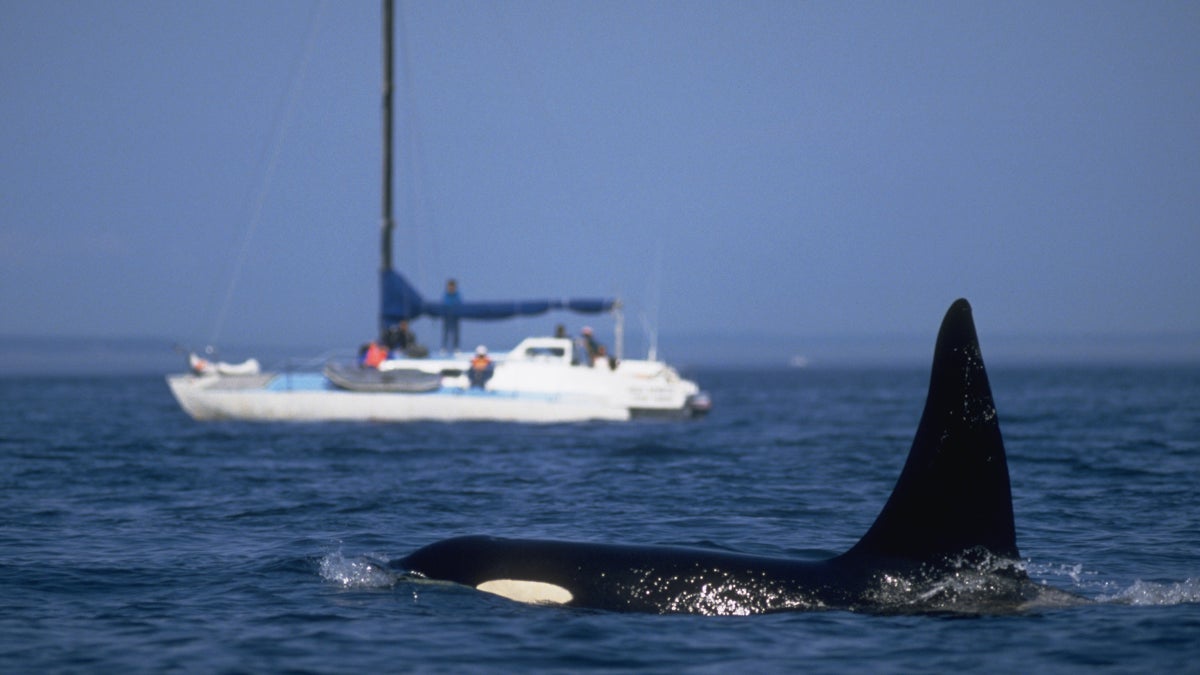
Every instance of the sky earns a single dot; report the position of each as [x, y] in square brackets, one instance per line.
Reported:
[738, 173]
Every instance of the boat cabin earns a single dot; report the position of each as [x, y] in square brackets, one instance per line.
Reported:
[543, 350]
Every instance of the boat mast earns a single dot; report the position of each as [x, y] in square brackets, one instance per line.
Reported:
[388, 222]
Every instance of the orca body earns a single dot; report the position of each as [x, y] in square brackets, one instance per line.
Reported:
[944, 541]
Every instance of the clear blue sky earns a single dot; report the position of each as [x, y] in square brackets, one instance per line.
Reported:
[735, 168]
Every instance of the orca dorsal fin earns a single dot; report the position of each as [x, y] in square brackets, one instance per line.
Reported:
[953, 494]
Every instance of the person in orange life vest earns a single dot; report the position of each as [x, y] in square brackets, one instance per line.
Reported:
[372, 354]
[481, 368]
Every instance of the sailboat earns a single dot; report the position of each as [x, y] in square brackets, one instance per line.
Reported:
[541, 380]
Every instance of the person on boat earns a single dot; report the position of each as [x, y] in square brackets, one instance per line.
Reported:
[372, 354]
[560, 331]
[590, 347]
[400, 340]
[604, 359]
[481, 368]
[397, 337]
[451, 301]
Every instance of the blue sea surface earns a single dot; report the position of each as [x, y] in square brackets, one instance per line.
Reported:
[133, 539]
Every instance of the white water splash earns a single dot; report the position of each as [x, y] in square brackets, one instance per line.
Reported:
[1059, 574]
[360, 572]
[1140, 593]
[1148, 593]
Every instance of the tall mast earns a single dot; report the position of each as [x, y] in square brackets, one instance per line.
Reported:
[388, 222]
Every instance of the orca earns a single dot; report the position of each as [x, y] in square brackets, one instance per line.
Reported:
[944, 541]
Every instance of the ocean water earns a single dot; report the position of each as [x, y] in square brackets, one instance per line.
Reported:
[133, 539]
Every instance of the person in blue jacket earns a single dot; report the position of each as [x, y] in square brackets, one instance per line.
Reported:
[451, 301]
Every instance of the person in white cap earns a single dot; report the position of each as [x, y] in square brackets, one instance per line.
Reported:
[481, 368]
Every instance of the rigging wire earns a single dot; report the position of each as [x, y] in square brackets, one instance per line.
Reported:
[283, 118]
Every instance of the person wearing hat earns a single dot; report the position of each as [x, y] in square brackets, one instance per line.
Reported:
[481, 368]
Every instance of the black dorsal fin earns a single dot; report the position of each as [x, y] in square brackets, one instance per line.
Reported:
[953, 494]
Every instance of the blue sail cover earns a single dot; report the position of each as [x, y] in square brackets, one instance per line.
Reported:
[399, 301]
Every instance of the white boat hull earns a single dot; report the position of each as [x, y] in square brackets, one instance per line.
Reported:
[205, 400]
[526, 387]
